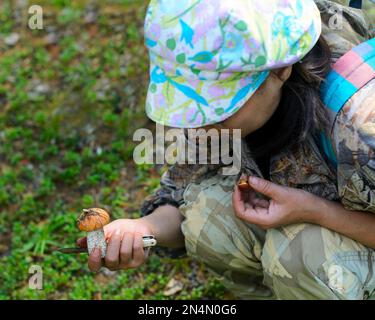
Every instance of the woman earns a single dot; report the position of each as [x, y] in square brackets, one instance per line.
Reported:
[258, 67]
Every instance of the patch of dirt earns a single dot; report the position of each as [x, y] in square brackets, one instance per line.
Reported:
[5, 244]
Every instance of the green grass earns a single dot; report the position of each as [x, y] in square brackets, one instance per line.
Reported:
[68, 109]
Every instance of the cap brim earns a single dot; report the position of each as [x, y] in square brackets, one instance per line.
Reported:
[174, 101]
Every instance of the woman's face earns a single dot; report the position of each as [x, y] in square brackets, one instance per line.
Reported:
[261, 106]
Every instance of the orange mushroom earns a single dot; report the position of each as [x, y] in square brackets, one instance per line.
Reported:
[243, 185]
[92, 221]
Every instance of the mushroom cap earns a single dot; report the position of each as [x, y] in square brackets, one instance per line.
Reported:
[92, 219]
[243, 184]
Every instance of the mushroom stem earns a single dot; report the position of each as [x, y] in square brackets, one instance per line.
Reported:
[96, 239]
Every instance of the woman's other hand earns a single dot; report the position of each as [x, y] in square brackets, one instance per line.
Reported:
[285, 205]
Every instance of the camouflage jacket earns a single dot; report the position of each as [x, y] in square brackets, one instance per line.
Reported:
[304, 165]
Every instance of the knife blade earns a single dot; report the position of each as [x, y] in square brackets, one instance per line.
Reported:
[72, 250]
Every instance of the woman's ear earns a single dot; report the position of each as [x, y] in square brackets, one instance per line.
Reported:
[284, 73]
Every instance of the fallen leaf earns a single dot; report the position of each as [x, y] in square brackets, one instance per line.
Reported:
[97, 296]
[173, 287]
[12, 39]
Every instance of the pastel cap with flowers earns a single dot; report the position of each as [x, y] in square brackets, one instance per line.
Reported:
[208, 57]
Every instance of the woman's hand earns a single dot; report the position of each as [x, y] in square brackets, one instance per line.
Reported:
[125, 245]
[285, 205]
[289, 206]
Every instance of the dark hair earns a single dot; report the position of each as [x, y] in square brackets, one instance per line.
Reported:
[301, 110]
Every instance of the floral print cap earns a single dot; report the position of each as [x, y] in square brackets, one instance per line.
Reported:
[208, 57]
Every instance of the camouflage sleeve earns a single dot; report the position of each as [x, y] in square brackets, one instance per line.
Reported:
[354, 141]
[175, 180]
[172, 185]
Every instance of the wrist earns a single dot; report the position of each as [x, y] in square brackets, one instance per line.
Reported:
[162, 220]
[316, 209]
[148, 223]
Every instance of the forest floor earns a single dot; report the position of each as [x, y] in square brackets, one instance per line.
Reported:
[71, 96]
